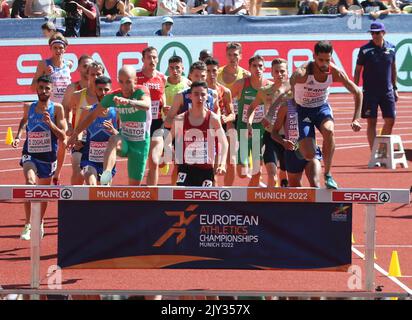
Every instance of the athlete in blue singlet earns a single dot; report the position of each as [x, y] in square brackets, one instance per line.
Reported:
[45, 126]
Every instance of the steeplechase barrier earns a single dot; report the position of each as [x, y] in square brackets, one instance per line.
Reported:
[205, 228]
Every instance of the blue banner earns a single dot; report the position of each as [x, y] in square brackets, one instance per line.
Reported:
[204, 235]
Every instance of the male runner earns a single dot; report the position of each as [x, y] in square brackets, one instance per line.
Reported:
[133, 105]
[45, 125]
[310, 86]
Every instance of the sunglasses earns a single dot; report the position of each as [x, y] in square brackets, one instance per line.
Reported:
[376, 32]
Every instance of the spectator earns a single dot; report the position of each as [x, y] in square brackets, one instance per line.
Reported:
[125, 27]
[236, 7]
[347, 6]
[17, 10]
[167, 24]
[197, 6]
[48, 29]
[82, 19]
[170, 7]
[330, 7]
[375, 8]
[205, 54]
[216, 6]
[38, 8]
[111, 9]
[4, 10]
[254, 7]
[399, 4]
[308, 7]
[148, 5]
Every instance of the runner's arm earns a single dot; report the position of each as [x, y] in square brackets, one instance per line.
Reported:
[22, 124]
[251, 110]
[41, 70]
[279, 123]
[88, 120]
[222, 140]
[59, 128]
[228, 105]
[177, 104]
[68, 105]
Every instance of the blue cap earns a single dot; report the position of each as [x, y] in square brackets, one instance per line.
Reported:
[377, 26]
[125, 20]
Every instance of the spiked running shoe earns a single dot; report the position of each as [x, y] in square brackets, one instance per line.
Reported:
[329, 182]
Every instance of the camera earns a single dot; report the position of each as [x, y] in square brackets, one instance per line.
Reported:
[70, 7]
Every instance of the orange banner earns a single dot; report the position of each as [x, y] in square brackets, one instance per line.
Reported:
[281, 195]
[123, 193]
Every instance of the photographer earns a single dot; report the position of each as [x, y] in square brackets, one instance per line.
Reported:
[82, 19]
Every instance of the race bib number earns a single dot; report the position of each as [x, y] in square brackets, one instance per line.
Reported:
[207, 183]
[181, 177]
[155, 109]
[134, 131]
[259, 113]
[96, 151]
[293, 126]
[235, 105]
[39, 142]
[196, 153]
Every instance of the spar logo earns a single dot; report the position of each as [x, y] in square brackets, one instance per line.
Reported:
[202, 195]
[365, 196]
[179, 228]
[174, 49]
[42, 193]
[404, 62]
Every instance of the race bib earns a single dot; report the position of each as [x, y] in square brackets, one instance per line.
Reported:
[293, 127]
[39, 142]
[155, 109]
[196, 153]
[259, 113]
[97, 150]
[181, 177]
[134, 131]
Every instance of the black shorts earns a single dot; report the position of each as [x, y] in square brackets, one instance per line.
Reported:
[385, 100]
[274, 152]
[156, 124]
[191, 176]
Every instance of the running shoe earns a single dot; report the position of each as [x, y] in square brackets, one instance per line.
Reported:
[106, 178]
[284, 183]
[329, 182]
[56, 181]
[25, 235]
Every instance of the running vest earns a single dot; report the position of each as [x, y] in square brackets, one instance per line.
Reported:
[241, 73]
[291, 125]
[248, 95]
[98, 137]
[41, 142]
[187, 102]
[156, 86]
[312, 94]
[196, 149]
[171, 90]
[61, 78]
[136, 123]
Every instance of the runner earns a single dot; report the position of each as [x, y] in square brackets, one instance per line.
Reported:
[98, 134]
[82, 100]
[273, 155]
[155, 82]
[227, 114]
[246, 90]
[133, 105]
[45, 125]
[59, 71]
[195, 131]
[310, 86]
[287, 122]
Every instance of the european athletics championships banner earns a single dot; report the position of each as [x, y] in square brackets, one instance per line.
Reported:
[204, 235]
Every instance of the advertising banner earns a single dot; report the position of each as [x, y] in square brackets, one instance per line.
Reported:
[19, 60]
[204, 235]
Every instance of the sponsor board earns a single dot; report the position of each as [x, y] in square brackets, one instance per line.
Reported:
[202, 194]
[281, 195]
[126, 193]
[42, 193]
[361, 196]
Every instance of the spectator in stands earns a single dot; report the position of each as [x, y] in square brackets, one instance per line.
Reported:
[330, 7]
[197, 6]
[145, 5]
[17, 10]
[170, 7]
[254, 7]
[216, 6]
[112, 8]
[376, 8]
[348, 6]
[400, 4]
[308, 7]
[82, 19]
[204, 54]
[236, 7]
[48, 29]
[4, 9]
[167, 24]
[38, 8]
[125, 27]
